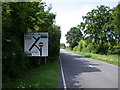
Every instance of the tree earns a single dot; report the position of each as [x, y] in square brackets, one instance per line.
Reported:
[100, 31]
[54, 40]
[62, 45]
[116, 21]
[99, 28]
[17, 19]
[73, 37]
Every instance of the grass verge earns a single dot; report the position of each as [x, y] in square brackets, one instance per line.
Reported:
[111, 59]
[45, 76]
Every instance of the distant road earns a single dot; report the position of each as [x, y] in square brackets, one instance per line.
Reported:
[82, 72]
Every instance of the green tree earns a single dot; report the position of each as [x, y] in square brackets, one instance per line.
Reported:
[98, 27]
[17, 19]
[54, 40]
[62, 45]
[116, 21]
[73, 37]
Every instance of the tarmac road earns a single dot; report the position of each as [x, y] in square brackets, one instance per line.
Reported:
[82, 72]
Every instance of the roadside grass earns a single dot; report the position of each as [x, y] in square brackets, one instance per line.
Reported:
[111, 59]
[45, 76]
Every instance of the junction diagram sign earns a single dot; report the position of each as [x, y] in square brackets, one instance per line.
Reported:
[36, 44]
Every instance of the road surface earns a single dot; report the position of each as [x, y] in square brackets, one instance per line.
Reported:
[81, 72]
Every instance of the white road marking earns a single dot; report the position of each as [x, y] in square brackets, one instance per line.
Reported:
[90, 66]
[63, 77]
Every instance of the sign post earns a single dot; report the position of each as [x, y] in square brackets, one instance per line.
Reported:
[41, 44]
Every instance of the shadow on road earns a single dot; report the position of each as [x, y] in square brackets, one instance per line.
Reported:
[74, 66]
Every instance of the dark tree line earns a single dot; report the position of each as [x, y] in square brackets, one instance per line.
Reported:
[99, 33]
[17, 19]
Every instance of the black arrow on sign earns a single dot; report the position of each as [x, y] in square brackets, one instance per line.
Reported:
[34, 44]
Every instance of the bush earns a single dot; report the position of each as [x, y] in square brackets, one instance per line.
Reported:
[13, 58]
[17, 19]
[90, 48]
[75, 48]
[82, 45]
[115, 50]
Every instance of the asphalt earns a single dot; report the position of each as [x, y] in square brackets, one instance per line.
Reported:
[82, 72]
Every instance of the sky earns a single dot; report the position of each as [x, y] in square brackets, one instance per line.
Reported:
[69, 12]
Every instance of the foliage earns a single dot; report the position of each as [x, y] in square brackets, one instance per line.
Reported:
[41, 77]
[17, 19]
[116, 50]
[99, 28]
[54, 40]
[100, 31]
[111, 59]
[117, 19]
[73, 37]
[13, 58]
[82, 45]
[90, 48]
[75, 48]
[62, 45]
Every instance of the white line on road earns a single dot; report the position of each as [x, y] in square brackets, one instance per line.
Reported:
[63, 77]
[90, 66]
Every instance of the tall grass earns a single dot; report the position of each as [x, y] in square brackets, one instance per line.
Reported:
[111, 59]
[42, 77]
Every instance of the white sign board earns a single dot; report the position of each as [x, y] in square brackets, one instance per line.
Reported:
[36, 44]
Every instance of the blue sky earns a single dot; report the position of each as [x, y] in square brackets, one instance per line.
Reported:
[69, 12]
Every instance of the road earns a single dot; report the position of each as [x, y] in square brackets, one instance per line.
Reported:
[82, 72]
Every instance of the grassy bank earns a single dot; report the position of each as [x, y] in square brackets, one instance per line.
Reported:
[111, 59]
[45, 76]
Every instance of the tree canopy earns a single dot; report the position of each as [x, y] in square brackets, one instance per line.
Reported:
[73, 36]
[17, 19]
[99, 30]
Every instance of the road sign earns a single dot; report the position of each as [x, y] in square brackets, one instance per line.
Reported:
[36, 44]
[41, 44]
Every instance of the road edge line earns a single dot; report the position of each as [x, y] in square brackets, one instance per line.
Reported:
[63, 77]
